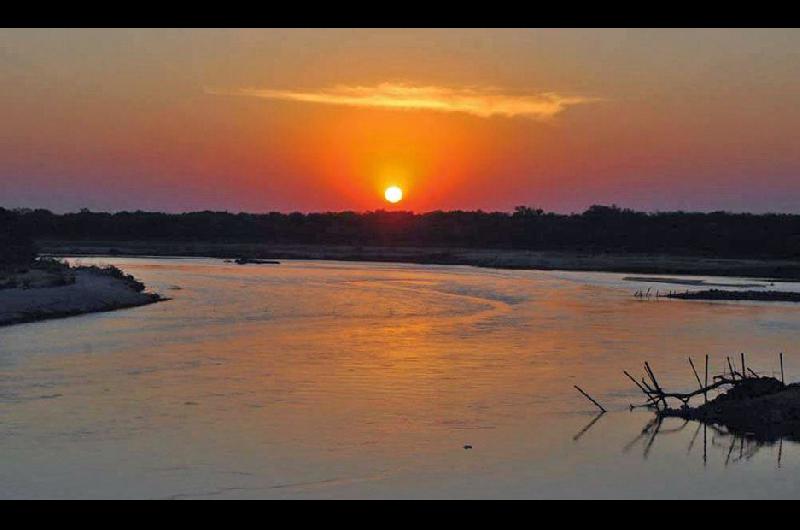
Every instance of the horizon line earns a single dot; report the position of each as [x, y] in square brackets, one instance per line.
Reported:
[27, 209]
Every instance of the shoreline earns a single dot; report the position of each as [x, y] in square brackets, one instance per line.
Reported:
[55, 314]
[734, 296]
[93, 291]
[775, 269]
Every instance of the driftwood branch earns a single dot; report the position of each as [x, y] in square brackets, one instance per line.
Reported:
[684, 396]
[656, 387]
[598, 405]
[657, 397]
[695, 373]
[635, 382]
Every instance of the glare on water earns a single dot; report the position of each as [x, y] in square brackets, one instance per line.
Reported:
[326, 379]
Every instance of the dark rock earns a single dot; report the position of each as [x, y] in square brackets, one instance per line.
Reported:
[245, 261]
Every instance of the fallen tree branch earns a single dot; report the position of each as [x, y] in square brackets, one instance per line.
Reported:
[598, 405]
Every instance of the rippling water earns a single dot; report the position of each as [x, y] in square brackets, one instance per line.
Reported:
[327, 379]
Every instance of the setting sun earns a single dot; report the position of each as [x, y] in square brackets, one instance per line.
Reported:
[545, 190]
[393, 194]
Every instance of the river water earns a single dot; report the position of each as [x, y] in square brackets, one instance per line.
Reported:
[366, 380]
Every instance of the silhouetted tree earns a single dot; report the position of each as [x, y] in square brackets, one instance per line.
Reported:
[16, 247]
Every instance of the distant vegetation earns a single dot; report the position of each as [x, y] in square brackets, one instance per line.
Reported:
[598, 229]
[16, 246]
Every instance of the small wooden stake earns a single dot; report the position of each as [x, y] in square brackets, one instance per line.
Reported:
[695, 373]
[598, 405]
[705, 392]
[743, 370]
[782, 381]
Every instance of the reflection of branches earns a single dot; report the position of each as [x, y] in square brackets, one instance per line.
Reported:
[696, 432]
[642, 434]
[705, 446]
[587, 427]
[752, 449]
[748, 448]
[651, 430]
[653, 434]
[749, 445]
[730, 450]
[676, 429]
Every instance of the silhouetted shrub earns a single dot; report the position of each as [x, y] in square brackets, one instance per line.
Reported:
[114, 272]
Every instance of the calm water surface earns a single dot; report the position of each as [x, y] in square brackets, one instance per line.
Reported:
[362, 380]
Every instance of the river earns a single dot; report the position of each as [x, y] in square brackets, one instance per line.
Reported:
[373, 380]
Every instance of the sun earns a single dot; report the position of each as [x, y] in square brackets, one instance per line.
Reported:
[393, 194]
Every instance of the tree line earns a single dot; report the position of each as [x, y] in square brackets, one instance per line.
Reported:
[598, 229]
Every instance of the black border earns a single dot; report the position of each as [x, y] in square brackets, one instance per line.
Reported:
[463, 14]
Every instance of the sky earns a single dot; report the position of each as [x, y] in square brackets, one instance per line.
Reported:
[324, 120]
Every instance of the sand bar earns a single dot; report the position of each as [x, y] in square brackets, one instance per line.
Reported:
[92, 292]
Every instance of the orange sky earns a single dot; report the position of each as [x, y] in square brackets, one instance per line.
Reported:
[308, 120]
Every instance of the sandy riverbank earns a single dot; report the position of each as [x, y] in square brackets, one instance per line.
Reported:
[93, 290]
[494, 258]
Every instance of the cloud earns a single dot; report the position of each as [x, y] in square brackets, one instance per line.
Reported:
[484, 103]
